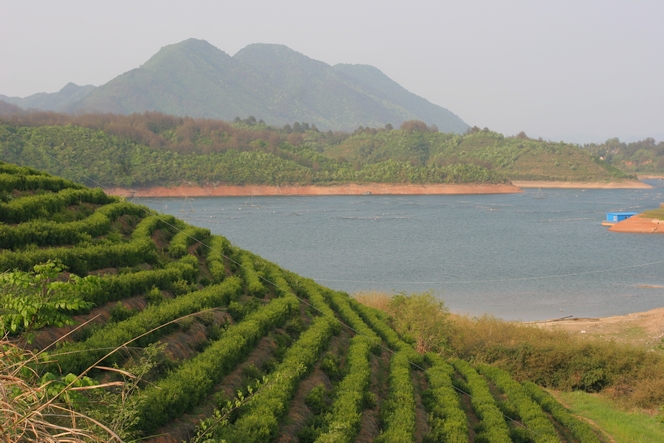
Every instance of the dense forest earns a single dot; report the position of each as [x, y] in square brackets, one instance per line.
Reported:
[644, 156]
[157, 149]
[121, 324]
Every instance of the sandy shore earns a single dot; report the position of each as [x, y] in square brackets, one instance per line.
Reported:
[581, 185]
[639, 225]
[350, 189]
[640, 328]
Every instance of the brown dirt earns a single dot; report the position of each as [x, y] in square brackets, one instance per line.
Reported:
[640, 225]
[49, 335]
[298, 411]
[183, 344]
[349, 189]
[631, 184]
[643, 329]
[370, 424]
[183, 428]
[421, 416]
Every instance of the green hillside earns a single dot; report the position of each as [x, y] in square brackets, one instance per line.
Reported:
[644, 156]
[193, 78]
[153, 327]
[156, 149]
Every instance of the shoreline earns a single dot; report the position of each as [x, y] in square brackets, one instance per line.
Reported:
[639, 225]
[631, 184]
[311, 190]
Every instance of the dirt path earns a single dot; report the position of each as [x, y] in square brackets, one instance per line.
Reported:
[643, 329]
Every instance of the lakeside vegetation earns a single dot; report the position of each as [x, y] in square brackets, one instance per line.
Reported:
[643, 156]
[122, 324]
[155, 149]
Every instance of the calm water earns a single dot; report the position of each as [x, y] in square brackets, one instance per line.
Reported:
[514, 256]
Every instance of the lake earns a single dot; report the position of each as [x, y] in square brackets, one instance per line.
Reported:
[527, 256]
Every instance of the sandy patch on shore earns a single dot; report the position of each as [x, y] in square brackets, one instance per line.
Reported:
[349, 189]
[581, 185]
[639, 225]
[645, 329]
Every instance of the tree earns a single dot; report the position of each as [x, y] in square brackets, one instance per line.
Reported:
[422, 317]
[32, 300]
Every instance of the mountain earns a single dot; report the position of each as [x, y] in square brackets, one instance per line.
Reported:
[62, 101]
[270, 82]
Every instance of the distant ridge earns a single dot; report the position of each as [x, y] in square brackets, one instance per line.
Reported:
[271, 82]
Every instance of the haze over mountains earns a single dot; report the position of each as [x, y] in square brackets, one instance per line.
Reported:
[270, 82]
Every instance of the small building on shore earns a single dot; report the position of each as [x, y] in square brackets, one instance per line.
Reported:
[615, 217]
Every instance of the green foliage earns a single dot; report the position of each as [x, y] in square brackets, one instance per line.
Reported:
[447, 420]
[345, 417]
[398, 415]
[317, 399]
[183, 239]
[47, 204]
[579, 429]
[184, 388]
[76, 357]
[219, 247]
[372, 318]
[639, 156]
[492, 428]
[532, 416]
[422, 317]
[252, 281]
[32, 300]
[260, 422]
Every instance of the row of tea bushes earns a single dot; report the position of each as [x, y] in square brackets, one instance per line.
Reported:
[260, 422]
[492, 428]
[31, 182]
[580, 430]
[44, 205]
[398, 414]
[219, 249]
[447, 420]
[343, 422]
[539, 426]
[185, 238]
[77, 357]
[185, 387]
[51, 233]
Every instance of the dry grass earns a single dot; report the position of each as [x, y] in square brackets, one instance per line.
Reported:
[30, 411]
[374, 299]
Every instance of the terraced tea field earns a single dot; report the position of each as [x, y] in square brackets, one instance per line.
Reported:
[170, 324]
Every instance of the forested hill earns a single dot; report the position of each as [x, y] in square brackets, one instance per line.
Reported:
[156, 149]
[193, 78]
[644, 156]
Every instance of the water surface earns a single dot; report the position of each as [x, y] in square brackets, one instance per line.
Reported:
[515, 256]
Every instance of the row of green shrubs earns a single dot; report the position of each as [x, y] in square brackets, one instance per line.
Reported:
[375, 319]
[539, 426]
[76, 357]
[44, 205]
[215, 258]
[251, 278]
[344, 420]
[260, 422]
[82, 259]
[447, 420]
[492, 428]
[24, 182]
[579, 429]
[398, 411]
[185, 387]
[120, 286]
[307, 288]
[51, 233]
[9, 168]
[181, 241]
[341, 304]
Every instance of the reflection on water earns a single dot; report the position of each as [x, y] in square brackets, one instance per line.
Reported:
[517, 256]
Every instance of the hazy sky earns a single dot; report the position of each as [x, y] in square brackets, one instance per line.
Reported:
[550, 68]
